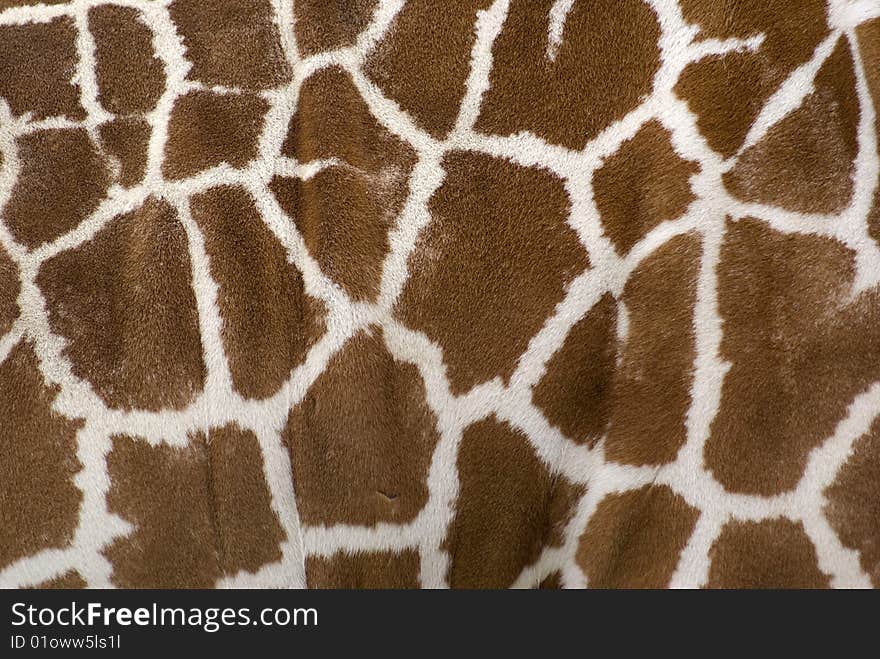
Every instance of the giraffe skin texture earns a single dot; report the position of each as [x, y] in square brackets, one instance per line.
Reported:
[468, 294]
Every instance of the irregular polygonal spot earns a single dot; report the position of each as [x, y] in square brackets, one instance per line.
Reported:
[634, 539]
[642, 184]
[269, 322]
[37, 68]
[9, 289]
[130, 77]
[799, 347]
[653, 380]
[774, 553]
[344, 212]
[603, 67]
[853, 508]
[551, 582]
[869, 47]
[368, 570]
[805, 162]
[62, 180]
[249, 531]
[207, 129]
[491, 266]
[509, 507]
[231, 43]
[126, 140]
[362, 439]
[71, 580]
[39, 503]
[328, 24]
[575, 392]
[728, 91]
[200, 511]
[420, 39]
[124, 303]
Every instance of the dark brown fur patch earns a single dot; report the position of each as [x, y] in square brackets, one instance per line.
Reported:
[130, 76]
[575, 393]
[362, 439]
[327, 24]
[869, 47]
[127, 139]
[39, 504]
[509, 507]
[853, 508]
[269, 322]
[124, 303]
[9, 289]
[231, 43]
[364, 570]
[799, 351]
[641, 185]
[773, 553]
[654, 376]
[424, 39]
[491, 266]
[207, 129]
[635, 538]
[604, 66]
[200, 511]
[37, 67]
[65, 162]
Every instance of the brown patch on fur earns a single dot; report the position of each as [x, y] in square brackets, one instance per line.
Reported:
[575, 392]
[368, 570]
[769, 554]
[853, 508]
[207, 129]
[9, 289]
[491, 266]
[37, 66]
[361, 441]
[552, 582]
[39, 504]
[653, 379]
[231, 43]
[604, 66]
[124, 303]
[269, 323]
[70, 580]
[127, 140]
[424, 39]
[62, 181]
[200, 511]
[634, 538]
[509, 507]
[166, 493]
[869, 46]
[641, 185]
[805, 162]
[799, 350]
[247, 527]
[728, 91]
[322, 25]
[130, 77]
[344, 213]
